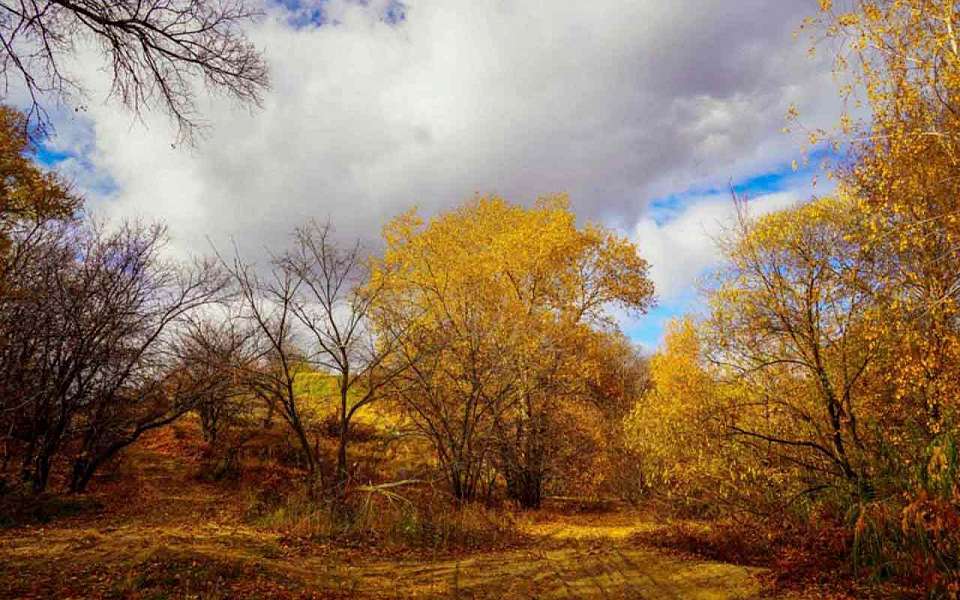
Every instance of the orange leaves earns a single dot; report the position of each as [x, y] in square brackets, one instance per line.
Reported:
[26, 193]
[502, 304]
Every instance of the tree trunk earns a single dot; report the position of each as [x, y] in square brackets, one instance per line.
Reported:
[460, 485]
[531, 493]
[307, 450]
[342, 474]
[82, 473]
[41, 474]
[525, 487]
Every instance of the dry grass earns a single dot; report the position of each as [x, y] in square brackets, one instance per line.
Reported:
[798, 562]
[158, 531]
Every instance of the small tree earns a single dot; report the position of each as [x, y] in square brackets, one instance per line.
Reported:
[219, 349]
[268, 306]
[334, 304]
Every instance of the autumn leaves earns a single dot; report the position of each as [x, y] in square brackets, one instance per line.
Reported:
[502, 307]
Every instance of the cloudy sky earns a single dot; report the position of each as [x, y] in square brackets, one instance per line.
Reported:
[643, 111]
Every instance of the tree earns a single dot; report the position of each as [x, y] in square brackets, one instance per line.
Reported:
[87, 351]
[619, 378]
[675, 428]
[789, 314]
[773, 400]
[334, 304]
[901, 60]
[269, 308]
[28, 195]
[155, 50]
[151, 379]
[29, 200]
[218, 350]
[497, 300]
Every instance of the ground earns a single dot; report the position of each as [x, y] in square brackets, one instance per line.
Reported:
[172, 536]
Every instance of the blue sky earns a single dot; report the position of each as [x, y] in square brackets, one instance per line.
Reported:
[324, 13]
[773, 189]
[50, 157]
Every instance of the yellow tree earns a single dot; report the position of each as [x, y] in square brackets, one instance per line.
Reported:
[27, 194]
[619, 377]
[789, 320]
[902, 60]
[496, 299]
[672, 428]
[679, 432]
[778, 396]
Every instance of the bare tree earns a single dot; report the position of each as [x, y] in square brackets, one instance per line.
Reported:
[155, 49]
[32, 365]
[334, 304]
[152, 379]
[269, 308]
[219, 349]
[89, 326]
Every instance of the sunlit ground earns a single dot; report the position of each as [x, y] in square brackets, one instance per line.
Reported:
[175, 537]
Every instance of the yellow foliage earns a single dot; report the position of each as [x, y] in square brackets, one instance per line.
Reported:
[502, 305]
[26, 192]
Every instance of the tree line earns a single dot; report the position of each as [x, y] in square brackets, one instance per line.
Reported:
[820, 384]
[488, 327]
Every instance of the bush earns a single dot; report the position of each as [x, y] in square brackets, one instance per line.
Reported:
[798, 554]
[915, 538]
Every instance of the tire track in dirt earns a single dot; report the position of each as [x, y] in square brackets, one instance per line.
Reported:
[639, 571]
[593, 567]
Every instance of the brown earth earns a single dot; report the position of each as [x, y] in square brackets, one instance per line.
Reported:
[171, 536]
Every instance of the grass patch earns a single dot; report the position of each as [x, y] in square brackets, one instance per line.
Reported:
[376, 518]
[167, 572]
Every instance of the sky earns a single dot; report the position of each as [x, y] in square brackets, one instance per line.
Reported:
[643, 111]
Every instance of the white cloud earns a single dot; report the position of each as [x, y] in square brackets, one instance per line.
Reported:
[683, 248]
[616, 102]
[613, 102]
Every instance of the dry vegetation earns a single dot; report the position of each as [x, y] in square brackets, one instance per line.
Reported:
[157, 527]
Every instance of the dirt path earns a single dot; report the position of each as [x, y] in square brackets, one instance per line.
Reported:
[179, 539]
[180, 561]
[581, 556]
[586, 572]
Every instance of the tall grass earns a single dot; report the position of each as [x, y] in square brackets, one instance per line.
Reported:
[390, 517]
[915, 537]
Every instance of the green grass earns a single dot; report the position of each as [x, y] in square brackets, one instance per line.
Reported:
[318, 394]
